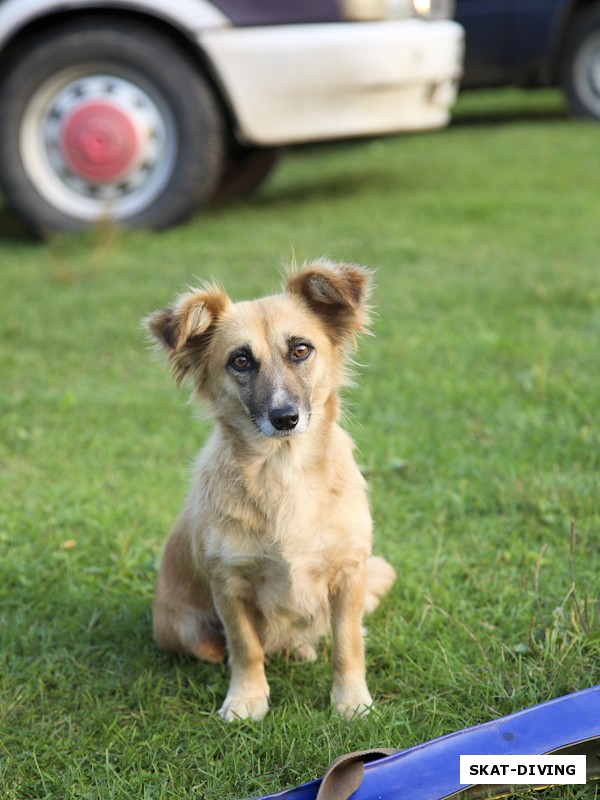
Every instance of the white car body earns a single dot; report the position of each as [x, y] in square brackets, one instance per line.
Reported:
[297, 83]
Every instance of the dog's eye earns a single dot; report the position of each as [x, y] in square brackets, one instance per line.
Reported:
[241, 362]
[301, 351]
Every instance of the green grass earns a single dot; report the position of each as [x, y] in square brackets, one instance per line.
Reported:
[477, 420]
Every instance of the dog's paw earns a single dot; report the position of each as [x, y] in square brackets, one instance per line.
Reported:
[235, 708]
[350, 710]
[352, 701]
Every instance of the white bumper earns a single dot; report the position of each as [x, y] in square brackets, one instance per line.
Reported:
[308, 82]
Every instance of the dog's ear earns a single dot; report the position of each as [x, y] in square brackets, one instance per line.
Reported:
[338, 293]
[184, 329]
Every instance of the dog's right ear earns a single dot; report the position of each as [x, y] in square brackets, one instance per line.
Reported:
[184, 329]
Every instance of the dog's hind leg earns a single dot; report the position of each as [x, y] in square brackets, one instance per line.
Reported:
[380, 577]
[187, 631]
[183, 617]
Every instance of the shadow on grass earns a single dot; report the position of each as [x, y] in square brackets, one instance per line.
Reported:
[12, 230]
[334, 187]
[330, 188]
[508, 106]
[508, 117]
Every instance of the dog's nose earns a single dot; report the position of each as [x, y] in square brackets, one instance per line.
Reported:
[284, 419]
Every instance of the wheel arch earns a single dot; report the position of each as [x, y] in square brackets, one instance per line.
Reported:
[180, 34]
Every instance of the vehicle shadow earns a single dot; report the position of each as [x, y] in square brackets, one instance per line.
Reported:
[508, 106]
[508, 117]
[339, 181]
[12, 229]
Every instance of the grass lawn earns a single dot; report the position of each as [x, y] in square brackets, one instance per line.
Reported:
[477, 416]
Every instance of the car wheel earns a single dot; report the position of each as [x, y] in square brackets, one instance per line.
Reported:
[246, 169]
[107, 120]
[581, 65]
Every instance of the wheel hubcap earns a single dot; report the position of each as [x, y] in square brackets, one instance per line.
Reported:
[99, 142]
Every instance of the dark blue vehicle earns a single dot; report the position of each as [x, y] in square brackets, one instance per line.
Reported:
[535, 43]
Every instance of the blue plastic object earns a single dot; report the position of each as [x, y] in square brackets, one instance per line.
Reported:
[430, 771]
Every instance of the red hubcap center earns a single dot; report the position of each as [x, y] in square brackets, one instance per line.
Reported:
[99, 141]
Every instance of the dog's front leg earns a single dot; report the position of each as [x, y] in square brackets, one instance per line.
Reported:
[350, 694]
[248, 691]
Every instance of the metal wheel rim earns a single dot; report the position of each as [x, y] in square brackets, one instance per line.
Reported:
[587, 74]
[55, 102]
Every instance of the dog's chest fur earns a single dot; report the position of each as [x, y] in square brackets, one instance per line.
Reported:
[283, 533]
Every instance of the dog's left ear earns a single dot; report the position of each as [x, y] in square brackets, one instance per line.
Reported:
[337, 293]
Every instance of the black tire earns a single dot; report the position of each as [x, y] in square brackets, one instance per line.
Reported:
[580, 73]
[178, 128]
[246, 169]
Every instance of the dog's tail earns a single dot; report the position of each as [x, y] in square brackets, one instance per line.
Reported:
[380, 577]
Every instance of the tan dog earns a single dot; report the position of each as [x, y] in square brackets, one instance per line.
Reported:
[272, 549]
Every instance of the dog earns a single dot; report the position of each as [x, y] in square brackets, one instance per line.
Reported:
[273, 547]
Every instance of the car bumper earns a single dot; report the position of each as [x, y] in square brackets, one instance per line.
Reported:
[302, 83]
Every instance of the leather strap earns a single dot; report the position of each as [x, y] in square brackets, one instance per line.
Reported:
[345, 773]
